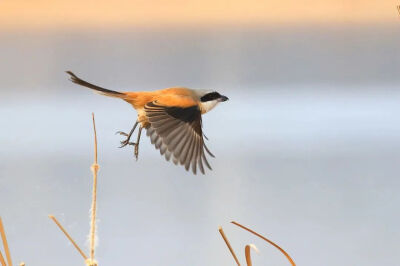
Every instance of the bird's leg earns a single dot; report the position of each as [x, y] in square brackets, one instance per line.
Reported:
[137, 142]
[128, 136]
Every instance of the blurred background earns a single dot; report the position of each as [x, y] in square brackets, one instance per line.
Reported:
[307, 149]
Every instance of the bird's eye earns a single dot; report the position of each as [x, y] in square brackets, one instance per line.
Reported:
[210, 96]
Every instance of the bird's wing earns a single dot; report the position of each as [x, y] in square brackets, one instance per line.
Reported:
[177, 133]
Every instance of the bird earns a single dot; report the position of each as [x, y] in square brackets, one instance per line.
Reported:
[172, 118]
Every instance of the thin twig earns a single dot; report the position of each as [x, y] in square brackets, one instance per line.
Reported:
[269, 241]
[94, 168]
[3, 262]
[68, 236]
[5, 243]
[228, 244]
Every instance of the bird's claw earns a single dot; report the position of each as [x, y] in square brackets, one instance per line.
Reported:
[121, 133]
[126, 142]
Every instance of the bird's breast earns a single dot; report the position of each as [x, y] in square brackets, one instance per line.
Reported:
[142, 118]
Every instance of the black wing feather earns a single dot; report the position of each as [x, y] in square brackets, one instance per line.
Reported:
[177, 133]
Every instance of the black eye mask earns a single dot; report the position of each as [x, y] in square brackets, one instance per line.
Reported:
[210, 96]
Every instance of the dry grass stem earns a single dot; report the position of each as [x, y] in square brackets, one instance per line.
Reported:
[228, 244]
[95, 169]
[247, 250]
[398, 9]
[90, 261]
[269, 241]
[68, 236]
[3, 262]
[5, 243]
[247, 254]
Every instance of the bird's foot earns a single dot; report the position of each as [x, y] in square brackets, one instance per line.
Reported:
[121, 133]
[126, 142]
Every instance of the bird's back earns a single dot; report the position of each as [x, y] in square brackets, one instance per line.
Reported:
[176, 96]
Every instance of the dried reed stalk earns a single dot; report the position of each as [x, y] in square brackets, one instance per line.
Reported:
[5, 244]
[247, 254]
[228, 244]
[68, 236]
[247, 249]
[92, 235]
[95, 169]
[269, 241]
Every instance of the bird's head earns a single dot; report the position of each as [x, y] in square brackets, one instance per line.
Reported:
[209, 99]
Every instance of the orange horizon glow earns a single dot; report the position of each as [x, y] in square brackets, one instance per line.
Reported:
[122, 13]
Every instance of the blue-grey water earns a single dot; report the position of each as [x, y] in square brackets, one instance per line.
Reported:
[307, 149]
[314, 169]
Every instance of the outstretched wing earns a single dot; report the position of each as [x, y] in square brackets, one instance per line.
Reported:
[177, 133]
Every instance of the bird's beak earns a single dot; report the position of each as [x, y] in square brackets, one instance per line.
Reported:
[223, 98]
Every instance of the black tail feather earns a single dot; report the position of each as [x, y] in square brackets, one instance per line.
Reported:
[101, 90]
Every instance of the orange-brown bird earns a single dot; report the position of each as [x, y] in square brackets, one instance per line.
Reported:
[172, 119]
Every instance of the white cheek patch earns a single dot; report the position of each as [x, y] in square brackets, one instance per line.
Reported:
[207, 106]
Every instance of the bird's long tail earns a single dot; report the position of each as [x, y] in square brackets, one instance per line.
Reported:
[97, 89]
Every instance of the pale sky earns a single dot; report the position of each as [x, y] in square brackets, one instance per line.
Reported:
[122, 13]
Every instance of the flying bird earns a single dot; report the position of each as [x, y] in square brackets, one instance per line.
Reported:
[172, 119]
